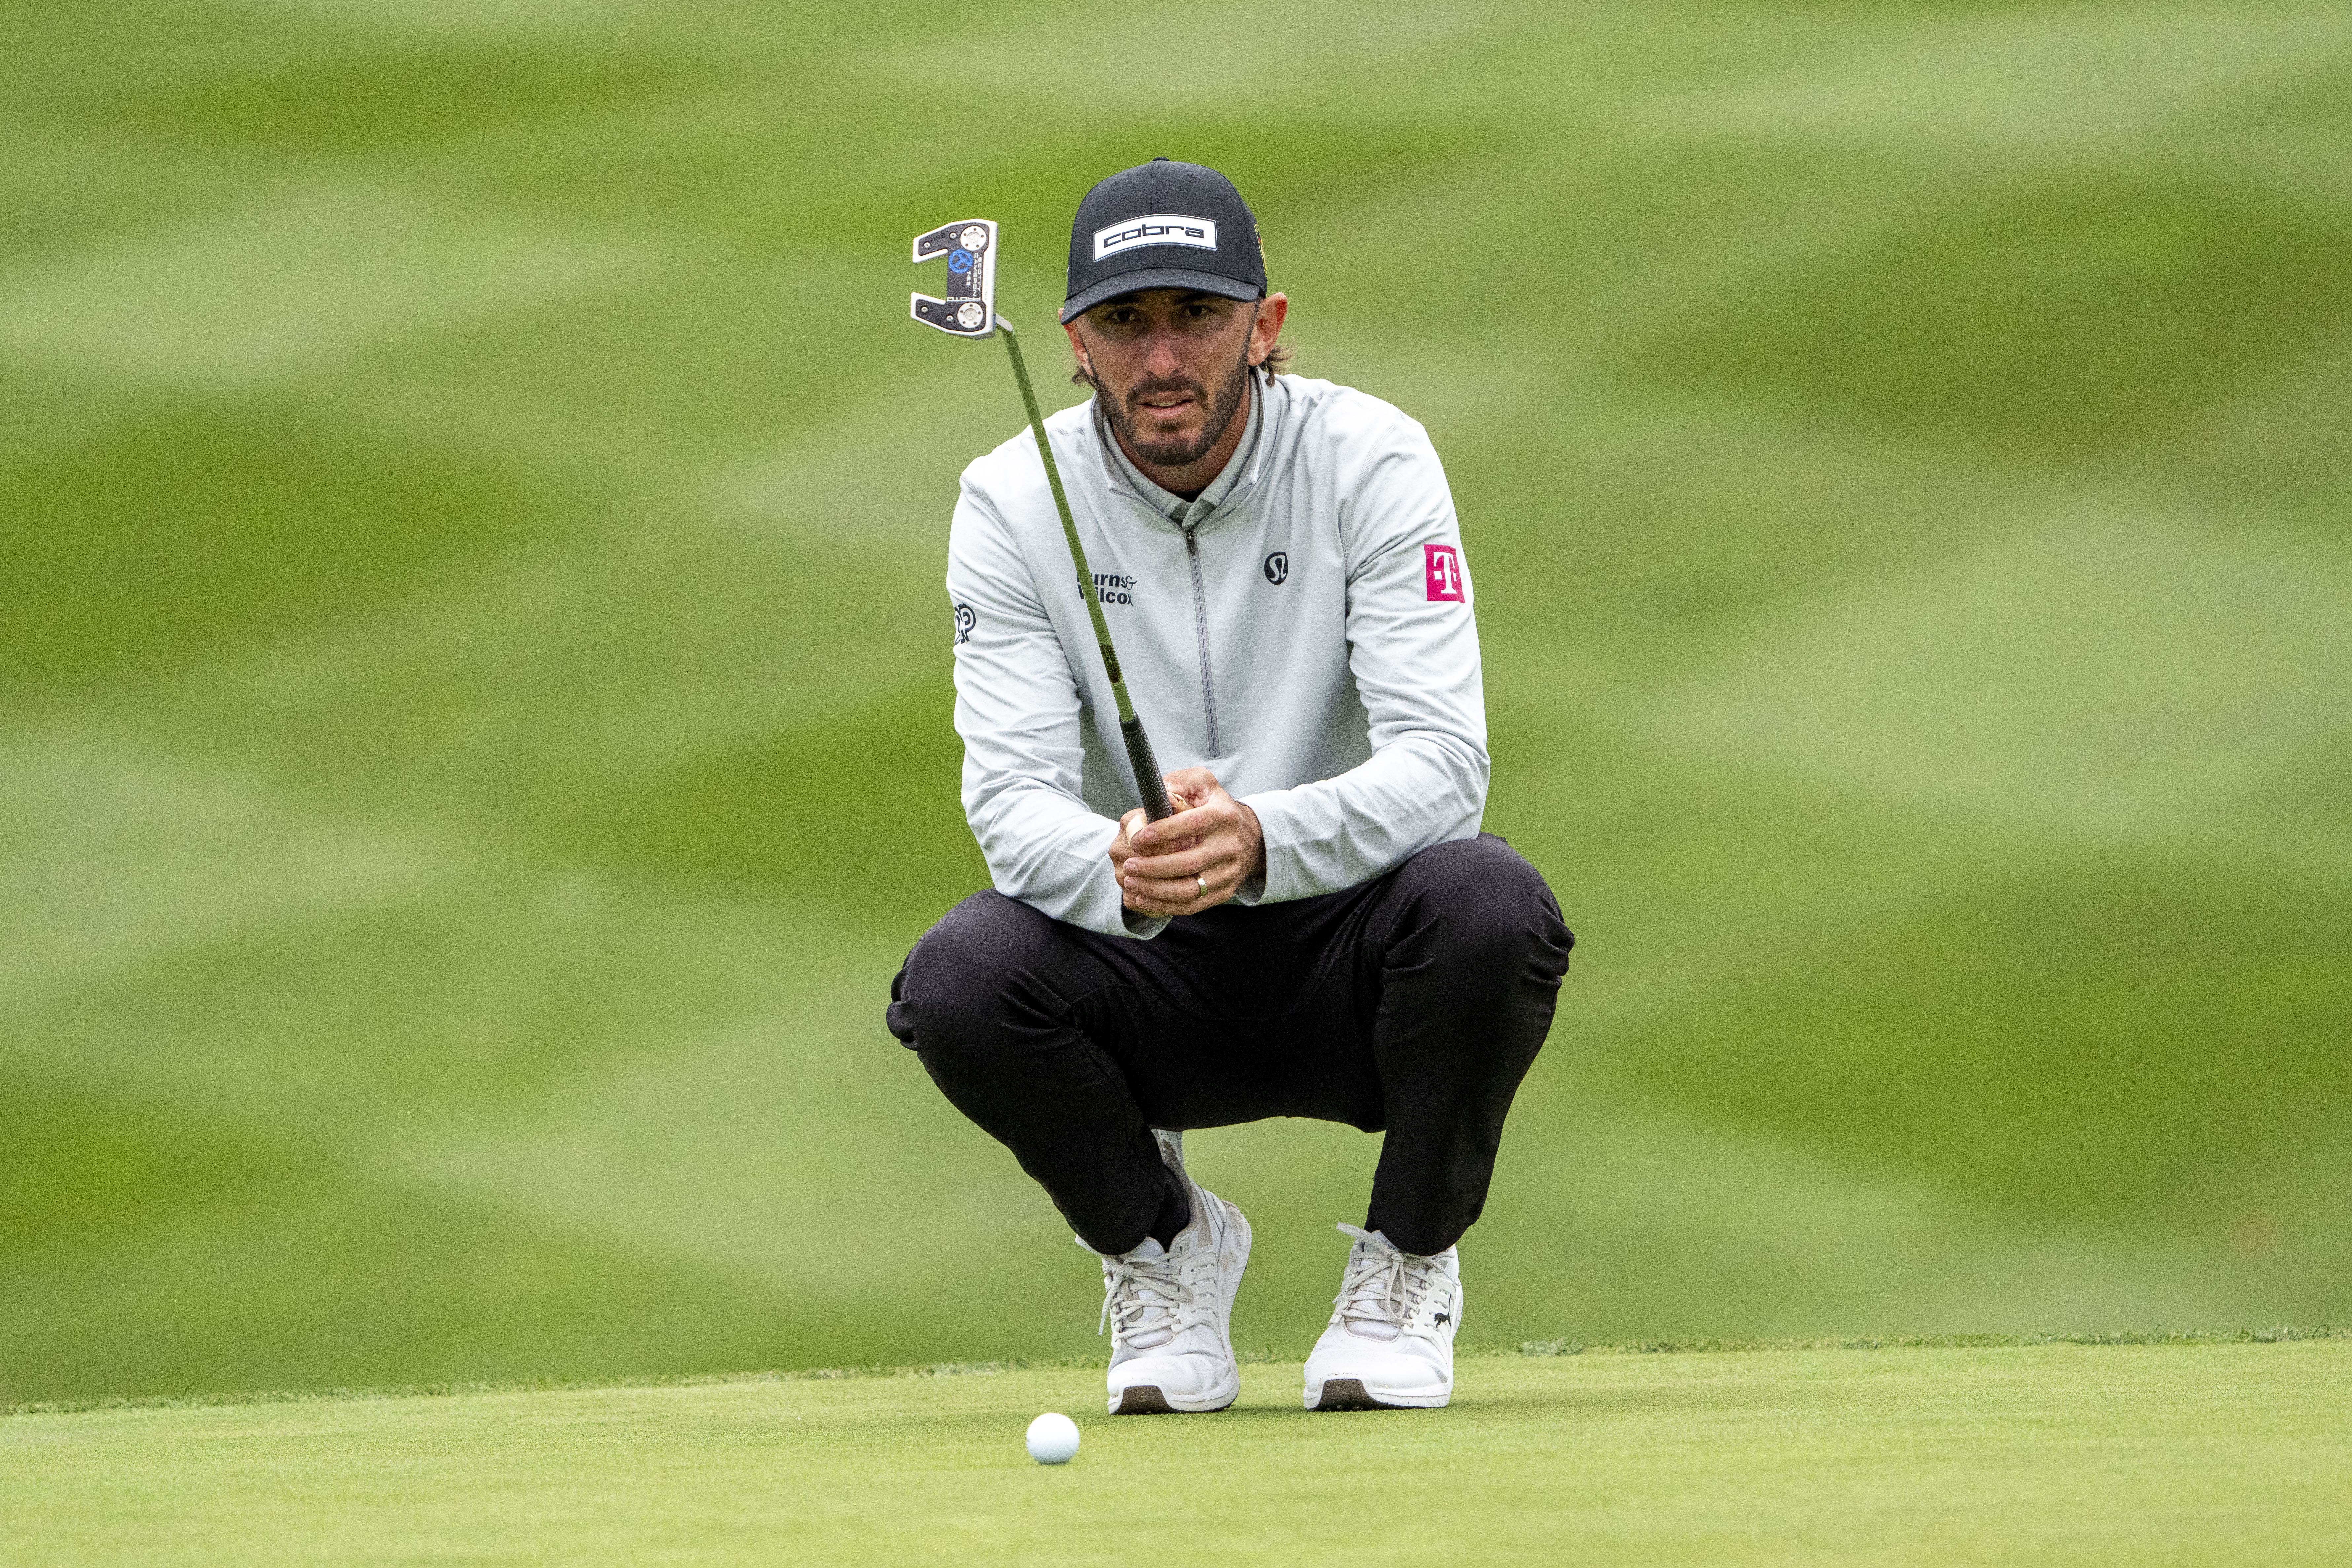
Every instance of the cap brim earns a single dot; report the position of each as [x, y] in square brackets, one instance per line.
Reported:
[1144, 278]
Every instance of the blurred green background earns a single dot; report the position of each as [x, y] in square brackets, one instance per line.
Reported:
[474, 671]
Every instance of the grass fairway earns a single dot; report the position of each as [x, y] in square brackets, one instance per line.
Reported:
[474, 662]
[2140, 1454]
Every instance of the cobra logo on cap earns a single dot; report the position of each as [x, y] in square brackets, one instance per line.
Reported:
[1156, 228]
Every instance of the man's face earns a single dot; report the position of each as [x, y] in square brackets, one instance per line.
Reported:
[1170, 365]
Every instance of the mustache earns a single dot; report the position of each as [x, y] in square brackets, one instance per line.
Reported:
[1190, 388]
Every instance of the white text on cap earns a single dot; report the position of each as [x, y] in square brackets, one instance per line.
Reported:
[1156, 228]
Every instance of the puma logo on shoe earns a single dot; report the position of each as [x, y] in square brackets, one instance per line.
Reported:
[1389, 1344]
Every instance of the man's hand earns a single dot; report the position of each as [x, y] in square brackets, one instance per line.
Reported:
[1193, 860]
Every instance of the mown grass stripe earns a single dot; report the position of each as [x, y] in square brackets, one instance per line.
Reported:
[2279, 1334]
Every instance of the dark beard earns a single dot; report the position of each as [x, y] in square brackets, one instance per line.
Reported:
[1175, 452]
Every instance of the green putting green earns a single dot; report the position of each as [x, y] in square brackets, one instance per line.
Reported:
[2146, 1453]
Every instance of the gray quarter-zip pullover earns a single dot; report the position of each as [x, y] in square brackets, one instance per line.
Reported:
[1303, 631]
[1187, 515]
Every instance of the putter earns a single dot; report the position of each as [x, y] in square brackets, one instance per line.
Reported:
[970, 312]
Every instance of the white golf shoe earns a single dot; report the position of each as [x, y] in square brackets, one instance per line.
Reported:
[1168, 1309]
[1390, 1345]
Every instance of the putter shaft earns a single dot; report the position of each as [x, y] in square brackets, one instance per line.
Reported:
[1130, 727]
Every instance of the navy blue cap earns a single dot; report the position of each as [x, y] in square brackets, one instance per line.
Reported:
[1162, 224]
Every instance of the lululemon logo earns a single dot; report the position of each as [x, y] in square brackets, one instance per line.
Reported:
[1277, 568]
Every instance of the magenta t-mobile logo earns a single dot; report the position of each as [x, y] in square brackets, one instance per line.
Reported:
[1443, 563]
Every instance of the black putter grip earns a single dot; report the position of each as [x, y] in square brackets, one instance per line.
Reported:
[1147, 769]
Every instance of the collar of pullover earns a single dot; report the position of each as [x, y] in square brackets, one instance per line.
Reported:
[1167, 503]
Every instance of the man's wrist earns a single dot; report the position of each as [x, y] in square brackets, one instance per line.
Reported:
[1258, 843]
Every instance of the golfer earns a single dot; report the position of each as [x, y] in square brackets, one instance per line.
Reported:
[1320, 930]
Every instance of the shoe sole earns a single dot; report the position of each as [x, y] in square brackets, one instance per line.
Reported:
[1348, 1393]
[1143, 1399]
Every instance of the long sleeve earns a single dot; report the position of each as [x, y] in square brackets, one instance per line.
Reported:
[1018, 710]
[1412, 649]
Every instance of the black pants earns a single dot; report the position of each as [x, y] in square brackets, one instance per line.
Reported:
[1414, 1003]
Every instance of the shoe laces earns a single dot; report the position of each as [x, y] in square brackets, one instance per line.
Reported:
[1384, 1285]
[1144, 1297]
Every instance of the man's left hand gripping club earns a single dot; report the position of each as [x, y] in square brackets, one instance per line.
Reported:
[1193, 860]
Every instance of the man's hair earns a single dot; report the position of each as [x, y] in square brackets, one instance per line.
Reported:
[1276, 361]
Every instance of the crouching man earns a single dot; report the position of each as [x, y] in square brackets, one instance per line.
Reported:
[1320, 930]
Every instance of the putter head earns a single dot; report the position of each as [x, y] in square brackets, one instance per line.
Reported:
[969, 308]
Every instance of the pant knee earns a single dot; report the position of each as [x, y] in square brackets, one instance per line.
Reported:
[948, 999]
[1490, 907]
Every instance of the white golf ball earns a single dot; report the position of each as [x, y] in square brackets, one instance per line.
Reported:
[1053, 1439]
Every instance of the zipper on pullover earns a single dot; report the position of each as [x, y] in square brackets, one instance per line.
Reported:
[1201, 631]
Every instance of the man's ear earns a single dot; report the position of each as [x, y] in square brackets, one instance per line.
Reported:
[1078, 348]
[1266, 325]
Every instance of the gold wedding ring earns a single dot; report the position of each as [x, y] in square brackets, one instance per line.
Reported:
[1203, 882]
